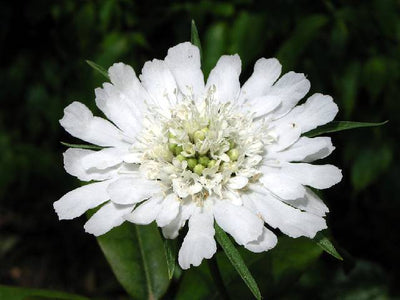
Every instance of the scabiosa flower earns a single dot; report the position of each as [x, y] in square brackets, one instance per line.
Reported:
[180, 150]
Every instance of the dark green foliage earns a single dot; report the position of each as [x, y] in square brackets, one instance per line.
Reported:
[82, 146]
[136, 256]
[327, 245]
[336, 126]
[349, 50]
[236, 260]
[98, 68]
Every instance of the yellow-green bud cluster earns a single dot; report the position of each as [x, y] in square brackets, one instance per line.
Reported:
[196, 162]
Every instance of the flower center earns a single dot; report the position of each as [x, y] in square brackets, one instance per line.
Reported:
[196, 149]
[193, 149]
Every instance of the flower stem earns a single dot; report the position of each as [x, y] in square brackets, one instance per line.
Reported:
[216, 275]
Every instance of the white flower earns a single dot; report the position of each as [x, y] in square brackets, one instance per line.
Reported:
[181, 150]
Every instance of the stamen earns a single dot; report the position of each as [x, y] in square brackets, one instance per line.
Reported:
[202, 146]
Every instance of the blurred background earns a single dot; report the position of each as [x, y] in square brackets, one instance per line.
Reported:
[348, 49]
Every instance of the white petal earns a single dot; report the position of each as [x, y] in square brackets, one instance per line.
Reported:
[233, 196]
[225, 78]
[290, 88]
[310, 203]
[289, 220]
[122, 100]
[73, 162]
[78, 120]
[186, 210]
[282, 186]
[114, 105]
[73, 165]
[237, 182]
[171, 230]
[287, 135]
[263, 105]
[317, 176]
[183, 189]
[146, 212]
[305, 149]
[169, 210]
[132, 158]
[123, 77]
[104, 158]
[184, 62]
[243, 225]
[106, 218]
[158, 80]
[129, 190]
[199, 242]
[266, 72]
[76, 202]
[266, 241]
[316, 111]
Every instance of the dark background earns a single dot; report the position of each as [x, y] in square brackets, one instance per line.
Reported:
[348, 49]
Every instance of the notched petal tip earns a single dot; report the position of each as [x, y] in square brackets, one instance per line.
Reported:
[199, 242]
[121, 73]
[266, 241]
[75, 115]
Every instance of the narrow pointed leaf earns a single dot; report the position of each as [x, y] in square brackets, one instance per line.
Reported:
[236, 260]
[195, 39]
[327, 245]
[19, 293]
[339, 126]
[170, 254]
[136, 256]
[98, 68]
[279, 268]
[82, 146]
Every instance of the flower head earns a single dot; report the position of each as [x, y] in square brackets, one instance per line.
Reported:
[180, 150]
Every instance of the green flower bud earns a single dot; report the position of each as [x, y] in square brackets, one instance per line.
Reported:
[205, 130]
[178, 150]
[180, 157]
[233, 154]
[192, 162]
[172, 147]
[198, 169]
[204, 160]
[211, 163]
[231, 144]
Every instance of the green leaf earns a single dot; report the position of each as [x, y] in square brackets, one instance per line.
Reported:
[236, 260]
[18, 293]
[137, 258]
[326, 245]
[194, 38]
[196, 284]
[170, 254]
[339, 126]
[98, 68]
[215, 44]
[82, 146]
[250, 46]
